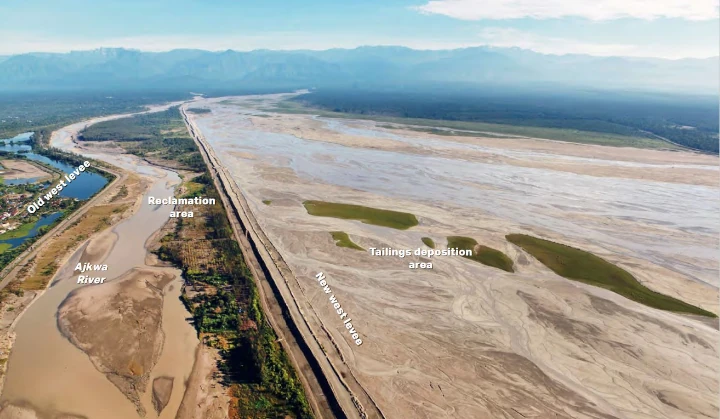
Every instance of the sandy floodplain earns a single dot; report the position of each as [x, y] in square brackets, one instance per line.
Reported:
[119, 349]
[99, 320]
[464, 340]
[19, 169]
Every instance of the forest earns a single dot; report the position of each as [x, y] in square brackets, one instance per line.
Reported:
[30, 111]
[690, 121]
[228, 315]
[40, 140]
[160, 136]
[150, 126]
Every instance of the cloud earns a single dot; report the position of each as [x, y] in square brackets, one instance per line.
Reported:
[506, 37]
[588, 9]
[510, 37]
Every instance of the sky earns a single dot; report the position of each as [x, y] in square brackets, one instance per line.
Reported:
[644, 28]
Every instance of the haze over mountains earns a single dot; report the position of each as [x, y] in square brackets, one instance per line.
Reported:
[364, 67]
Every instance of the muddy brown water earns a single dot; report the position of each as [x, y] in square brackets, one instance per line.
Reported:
[53, 376]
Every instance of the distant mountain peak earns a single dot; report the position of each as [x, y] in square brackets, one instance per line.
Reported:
[368, 65]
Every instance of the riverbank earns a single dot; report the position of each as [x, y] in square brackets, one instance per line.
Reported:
[199, 388]
[99, 321]
[219, 291]
[31, 276]
[27, 277]
[131, 224]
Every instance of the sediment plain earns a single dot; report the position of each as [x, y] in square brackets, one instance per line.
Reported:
[467, 340]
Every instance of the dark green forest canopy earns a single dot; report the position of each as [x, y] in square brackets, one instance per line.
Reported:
[150, 126]
[158, 135]
[199, 110]
[690, 121]
[29, 111]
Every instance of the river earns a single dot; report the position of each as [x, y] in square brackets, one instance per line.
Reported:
[51, 375]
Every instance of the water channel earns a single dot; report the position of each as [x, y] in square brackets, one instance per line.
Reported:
[83, 187]
[47, 373]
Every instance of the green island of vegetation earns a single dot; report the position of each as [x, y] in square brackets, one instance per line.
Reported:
[428, 242]
[267, 201]
[4, 247]
[367, 215]
[343, 240]
[21, 231]
[582, 266]
[483, 254]
[199, 110]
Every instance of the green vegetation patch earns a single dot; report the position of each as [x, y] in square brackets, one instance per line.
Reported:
[267, 201]
[4, 247]
[428, 242]
[483, 254]
[150, 126]
[21, 231]
[227, 312]
[583, 266]
[199, 110]
[343, 240]
[159, 136]
[193, 189]
[367, 215]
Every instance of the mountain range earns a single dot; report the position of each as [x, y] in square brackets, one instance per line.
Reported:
[364, 66]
